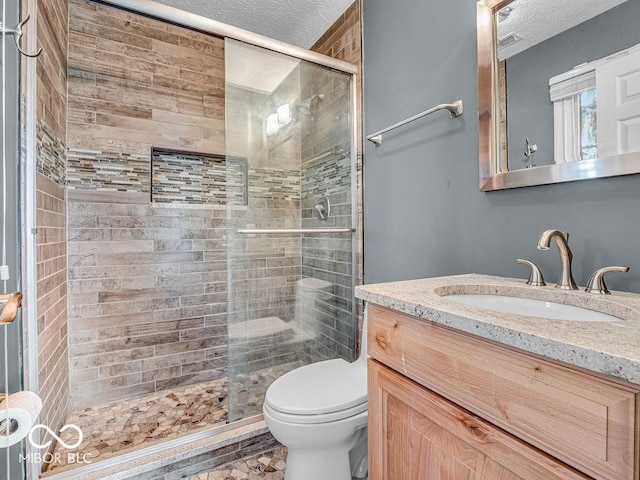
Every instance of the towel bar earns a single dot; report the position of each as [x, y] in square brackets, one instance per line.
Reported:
[455, 109]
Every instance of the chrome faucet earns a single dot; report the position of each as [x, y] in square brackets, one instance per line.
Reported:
[566, 281]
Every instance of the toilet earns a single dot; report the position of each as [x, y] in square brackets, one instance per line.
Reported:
[319, 412]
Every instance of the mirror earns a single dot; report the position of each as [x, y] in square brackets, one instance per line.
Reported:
[558, 91]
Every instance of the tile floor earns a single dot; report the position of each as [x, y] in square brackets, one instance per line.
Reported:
[116, 427]
[268, 465]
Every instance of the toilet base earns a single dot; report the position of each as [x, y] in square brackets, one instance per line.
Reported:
[327, 451]
[344, 462]
[329, 464]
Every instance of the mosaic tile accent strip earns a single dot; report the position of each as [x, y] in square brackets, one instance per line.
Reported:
[274, 183]
[197, 178]
[50, 157]
[106, 171]
[268, 465]
[327, 176]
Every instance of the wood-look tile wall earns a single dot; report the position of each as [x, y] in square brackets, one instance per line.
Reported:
[51, 85]
[135, 83]
[147, 295]
[148, 283]
[343, 40]
[51, 108]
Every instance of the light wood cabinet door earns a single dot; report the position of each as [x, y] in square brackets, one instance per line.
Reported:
[415, 434]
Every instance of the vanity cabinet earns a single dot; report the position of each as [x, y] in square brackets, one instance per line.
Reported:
[422, 436]
[448, 405]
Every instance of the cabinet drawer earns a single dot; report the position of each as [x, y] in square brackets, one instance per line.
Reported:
[583, 420]
[421, 436]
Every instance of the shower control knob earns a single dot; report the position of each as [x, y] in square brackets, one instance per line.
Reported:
[322, 209]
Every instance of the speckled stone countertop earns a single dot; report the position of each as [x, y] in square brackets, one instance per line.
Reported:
[609, 348]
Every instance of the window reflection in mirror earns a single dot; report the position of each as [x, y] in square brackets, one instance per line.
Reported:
[569, 80]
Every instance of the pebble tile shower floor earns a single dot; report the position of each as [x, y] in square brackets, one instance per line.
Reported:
[117, 427]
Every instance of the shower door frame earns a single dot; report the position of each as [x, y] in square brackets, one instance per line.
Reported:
[196, 22]
[182, 18]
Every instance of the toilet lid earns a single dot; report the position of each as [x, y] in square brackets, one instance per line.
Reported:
[320, 388]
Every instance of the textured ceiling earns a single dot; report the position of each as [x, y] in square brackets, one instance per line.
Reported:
[536, 21]
[256, 68]
[298, 22]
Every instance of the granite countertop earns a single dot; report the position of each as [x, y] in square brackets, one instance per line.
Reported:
[611, 348]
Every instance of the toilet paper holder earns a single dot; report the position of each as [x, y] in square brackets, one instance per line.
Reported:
[10, 304]
[4, 424]
[18, 414]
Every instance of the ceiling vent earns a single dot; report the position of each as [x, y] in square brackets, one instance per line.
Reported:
[509, 40]
[504, 13]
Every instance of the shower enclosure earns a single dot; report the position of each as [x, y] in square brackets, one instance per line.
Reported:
[290, 287]
[208, 184]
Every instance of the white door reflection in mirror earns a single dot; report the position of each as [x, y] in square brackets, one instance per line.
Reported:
[573, 95]
[618, 106]
[596, 108]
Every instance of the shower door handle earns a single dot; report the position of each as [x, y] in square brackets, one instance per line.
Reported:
[290, 231]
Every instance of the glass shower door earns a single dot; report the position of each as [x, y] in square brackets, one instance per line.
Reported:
[290, 217]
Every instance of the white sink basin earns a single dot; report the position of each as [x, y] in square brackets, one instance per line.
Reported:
[531, 307]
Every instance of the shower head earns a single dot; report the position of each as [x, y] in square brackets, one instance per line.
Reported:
[304, 110]
[307, 107]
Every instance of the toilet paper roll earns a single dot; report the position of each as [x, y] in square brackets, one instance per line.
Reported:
[20, 408]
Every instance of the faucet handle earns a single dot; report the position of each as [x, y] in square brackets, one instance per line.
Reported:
[596, 281]
[535, 277]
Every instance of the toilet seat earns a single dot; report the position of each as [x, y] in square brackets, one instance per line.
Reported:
[314, 419]
[318, 393]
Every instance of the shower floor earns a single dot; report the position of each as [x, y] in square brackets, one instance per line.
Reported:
[117, 427]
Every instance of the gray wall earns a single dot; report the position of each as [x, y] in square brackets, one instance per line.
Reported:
[13, 331]
[528, 75]
[424, 215]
